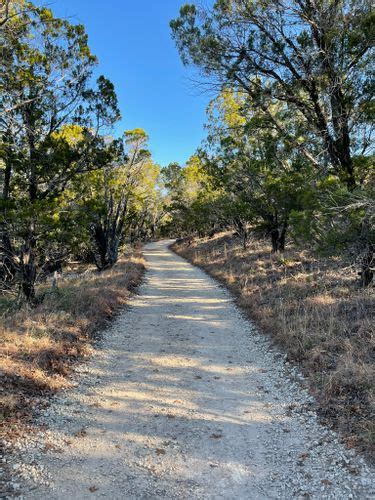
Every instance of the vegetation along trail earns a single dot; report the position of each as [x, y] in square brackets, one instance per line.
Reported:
[185, 400]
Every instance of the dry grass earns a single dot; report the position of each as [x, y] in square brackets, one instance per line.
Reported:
[38, 346]
[314, 309]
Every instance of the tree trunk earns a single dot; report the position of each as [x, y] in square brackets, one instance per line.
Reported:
[8, 266]
[341, 126]
[242, 231]
[28, 266]
[8, 258]
[278, 236]
[274, 239]
[112, 253]
[367, 267]
[245, 239]
[106, 246]
[100, 243]
[28, 258]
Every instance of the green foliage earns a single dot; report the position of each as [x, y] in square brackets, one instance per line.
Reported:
[289, 144]
[61, 174]
[117, 202]
[192, 201]
[314, 60]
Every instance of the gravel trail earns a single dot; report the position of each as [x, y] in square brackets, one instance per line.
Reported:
[185, 400]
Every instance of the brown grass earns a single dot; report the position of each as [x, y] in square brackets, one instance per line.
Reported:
[314, 309]
[39, 346]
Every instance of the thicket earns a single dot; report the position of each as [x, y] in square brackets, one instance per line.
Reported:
[289, 150]
[288, 154]
[69, 190]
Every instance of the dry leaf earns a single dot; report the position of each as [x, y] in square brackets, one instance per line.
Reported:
[327, 482]
[51, 447]
[303, 456]
[81, 433]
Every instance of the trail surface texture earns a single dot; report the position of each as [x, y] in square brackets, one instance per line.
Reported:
[185, 399]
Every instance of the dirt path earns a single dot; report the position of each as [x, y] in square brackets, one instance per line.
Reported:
[185, 400]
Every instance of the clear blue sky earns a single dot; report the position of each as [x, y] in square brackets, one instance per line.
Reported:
[132, 40]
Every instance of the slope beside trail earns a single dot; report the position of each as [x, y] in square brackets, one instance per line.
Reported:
[185, 399]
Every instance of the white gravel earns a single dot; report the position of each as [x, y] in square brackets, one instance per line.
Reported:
[185, 399]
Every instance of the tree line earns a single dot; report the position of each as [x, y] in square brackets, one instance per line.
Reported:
[69, 190]
[288, 153]
[289, 149]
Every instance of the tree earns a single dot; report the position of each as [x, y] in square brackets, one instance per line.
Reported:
[338, 222]
[50, 123]
[263, 178]
[115, 198]
[191, 199]
[294, 144]
[313, 56]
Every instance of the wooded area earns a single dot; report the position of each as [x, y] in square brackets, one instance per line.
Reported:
[70, 191]
[288, 154]
[289, 147]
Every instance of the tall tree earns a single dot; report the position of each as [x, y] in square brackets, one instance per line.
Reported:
[263, 178]
[312, 55]
[118, 193]
[46, 76]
